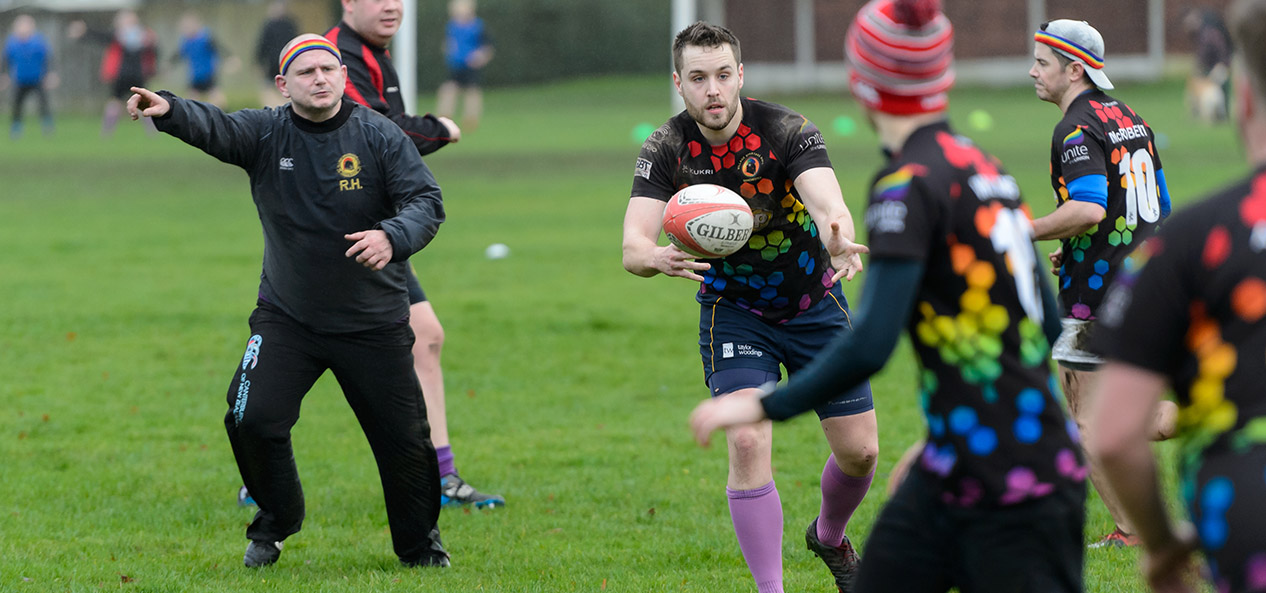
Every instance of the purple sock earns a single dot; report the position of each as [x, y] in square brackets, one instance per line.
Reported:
[841, 494]
[445, 456]
[757, 517]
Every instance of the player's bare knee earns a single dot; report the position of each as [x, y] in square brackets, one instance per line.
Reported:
[429, 337]
[436, 343]
[858, 461]
[748, 440]
[429, 347]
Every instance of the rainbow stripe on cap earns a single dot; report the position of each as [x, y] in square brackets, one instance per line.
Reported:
[1069, 48]
[308, 45]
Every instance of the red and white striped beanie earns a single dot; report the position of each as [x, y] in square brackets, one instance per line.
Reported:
[900, 54]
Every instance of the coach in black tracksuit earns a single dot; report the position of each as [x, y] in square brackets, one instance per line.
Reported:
[331, 295]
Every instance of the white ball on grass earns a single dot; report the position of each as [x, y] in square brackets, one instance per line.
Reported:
[497, 251]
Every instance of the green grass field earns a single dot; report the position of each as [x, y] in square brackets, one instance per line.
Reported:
[130, 266]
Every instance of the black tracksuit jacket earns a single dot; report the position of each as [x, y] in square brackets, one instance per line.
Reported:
[312, 183]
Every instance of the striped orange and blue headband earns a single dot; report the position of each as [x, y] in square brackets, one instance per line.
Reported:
[307, 45]
[1069, 48]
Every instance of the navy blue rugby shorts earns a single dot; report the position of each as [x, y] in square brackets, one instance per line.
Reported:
[741, 350]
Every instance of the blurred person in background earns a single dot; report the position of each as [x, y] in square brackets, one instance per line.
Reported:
[467, 49]
[130, 60]
[204, 56]
[1209, 86]
[28, 62]
[277, 30]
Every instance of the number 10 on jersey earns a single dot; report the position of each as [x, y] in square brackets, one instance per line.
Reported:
[1138, 175]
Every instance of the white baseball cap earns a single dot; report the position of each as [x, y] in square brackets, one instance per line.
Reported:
[1077, 41]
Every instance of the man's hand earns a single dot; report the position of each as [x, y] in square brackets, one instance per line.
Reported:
[1057, 259]
[454, 132]
[846, 256]
[672, 261]
[371, 248]
[719, 413]
[147, 103]
[1170, 569]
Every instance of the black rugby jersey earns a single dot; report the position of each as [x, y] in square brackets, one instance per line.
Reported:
[1196, 314]
[784, 269]
[996, 432]
[312, 183]
[372, 82]
[1100, 135]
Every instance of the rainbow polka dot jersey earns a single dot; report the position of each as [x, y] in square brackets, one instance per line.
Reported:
[1194, 311]
[997, 435]
[1100, 135]
[784, 269]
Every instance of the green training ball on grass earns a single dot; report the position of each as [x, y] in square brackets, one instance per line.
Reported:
[980, 120]
[641, 132]
[844, 125]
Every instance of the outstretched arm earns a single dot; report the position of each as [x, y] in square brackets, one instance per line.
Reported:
[230, 137]
[820, 191]
[887, 298]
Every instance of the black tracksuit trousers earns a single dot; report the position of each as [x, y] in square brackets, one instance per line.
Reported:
[375, 369]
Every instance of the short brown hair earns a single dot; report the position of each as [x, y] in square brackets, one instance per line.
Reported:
[1248, 30]
[703, 34]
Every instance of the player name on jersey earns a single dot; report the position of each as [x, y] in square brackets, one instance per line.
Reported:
[989, 187]
[1122, 134]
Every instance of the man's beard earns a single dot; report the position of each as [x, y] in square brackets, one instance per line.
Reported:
[700, 116]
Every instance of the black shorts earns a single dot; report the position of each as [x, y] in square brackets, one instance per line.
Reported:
[920, 545]
[121, 88]
[415, 288]
[465, 77]
[734, 342]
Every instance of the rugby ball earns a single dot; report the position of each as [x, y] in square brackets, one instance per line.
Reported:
[708, 221]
